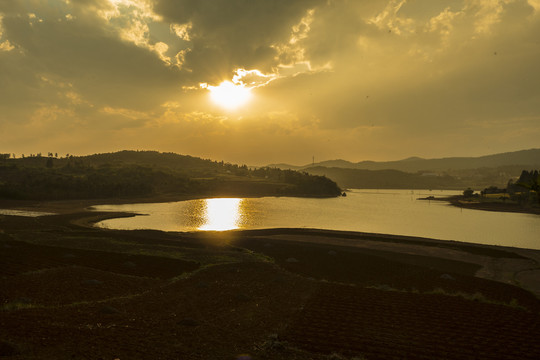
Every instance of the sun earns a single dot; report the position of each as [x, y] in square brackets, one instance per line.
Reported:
[229, 95]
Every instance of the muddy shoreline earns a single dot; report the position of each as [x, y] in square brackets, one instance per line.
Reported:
[460, 202]
[73, 291]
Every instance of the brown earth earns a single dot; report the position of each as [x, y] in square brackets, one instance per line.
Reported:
[68, 291]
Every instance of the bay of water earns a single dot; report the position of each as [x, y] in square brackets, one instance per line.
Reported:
[396, 212]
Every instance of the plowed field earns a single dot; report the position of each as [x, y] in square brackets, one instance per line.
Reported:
[378, 324]
[72, 292]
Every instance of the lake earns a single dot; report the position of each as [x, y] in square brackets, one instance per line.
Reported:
[396, 212]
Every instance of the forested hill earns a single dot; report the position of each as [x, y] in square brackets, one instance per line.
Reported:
[148, 173]
[154, 159]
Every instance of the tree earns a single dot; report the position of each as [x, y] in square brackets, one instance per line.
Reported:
[4, 157]
[530, 181]
[468, 192]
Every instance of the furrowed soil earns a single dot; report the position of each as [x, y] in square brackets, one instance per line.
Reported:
[69, 291]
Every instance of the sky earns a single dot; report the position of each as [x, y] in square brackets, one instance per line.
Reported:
[257, 82]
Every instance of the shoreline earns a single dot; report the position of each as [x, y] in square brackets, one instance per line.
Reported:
[459, 201]
[72, 205]
[78, 214]
[493, 206]
[91, 217]
[72, 289]
[67, 206]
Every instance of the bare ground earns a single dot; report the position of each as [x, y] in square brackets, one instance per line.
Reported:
[68, 291]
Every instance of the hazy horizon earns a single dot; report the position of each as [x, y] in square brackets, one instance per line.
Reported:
[264, 82]
[316, 161]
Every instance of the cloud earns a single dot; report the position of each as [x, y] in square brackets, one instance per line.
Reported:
[252, 78]
[536, 5]
[5, 45]
[226, 35]
[356, 79]
[101, 64]
[443, 54]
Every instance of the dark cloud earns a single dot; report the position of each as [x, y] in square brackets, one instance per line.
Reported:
[227, 35]
[86, 54]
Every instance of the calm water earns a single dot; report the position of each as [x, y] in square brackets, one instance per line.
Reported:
[379, 211]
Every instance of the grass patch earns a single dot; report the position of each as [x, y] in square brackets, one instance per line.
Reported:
[18, 305]
[477, 296]
[258, 256]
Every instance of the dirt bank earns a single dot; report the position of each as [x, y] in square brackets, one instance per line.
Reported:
[76, 292]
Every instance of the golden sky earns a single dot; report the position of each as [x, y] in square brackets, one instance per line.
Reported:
[259, 81]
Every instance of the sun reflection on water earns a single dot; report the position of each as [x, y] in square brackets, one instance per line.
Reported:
[221, 214]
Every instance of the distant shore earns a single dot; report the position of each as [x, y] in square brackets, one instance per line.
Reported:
[72, 205]
[82, 205]
[461, 202]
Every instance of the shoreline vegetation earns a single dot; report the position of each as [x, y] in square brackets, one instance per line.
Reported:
[83, 292]
[521, 196]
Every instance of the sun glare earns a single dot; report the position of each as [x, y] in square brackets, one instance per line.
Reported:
[229, 95]
[221, 214]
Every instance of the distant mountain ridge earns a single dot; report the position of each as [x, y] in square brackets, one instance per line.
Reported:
[526, 158]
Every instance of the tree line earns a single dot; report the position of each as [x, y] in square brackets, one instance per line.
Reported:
[525, 190]
[138, 174]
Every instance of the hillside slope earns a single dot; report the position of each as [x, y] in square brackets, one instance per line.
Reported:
[149, 173]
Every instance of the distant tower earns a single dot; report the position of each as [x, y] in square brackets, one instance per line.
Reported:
[313, 163]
